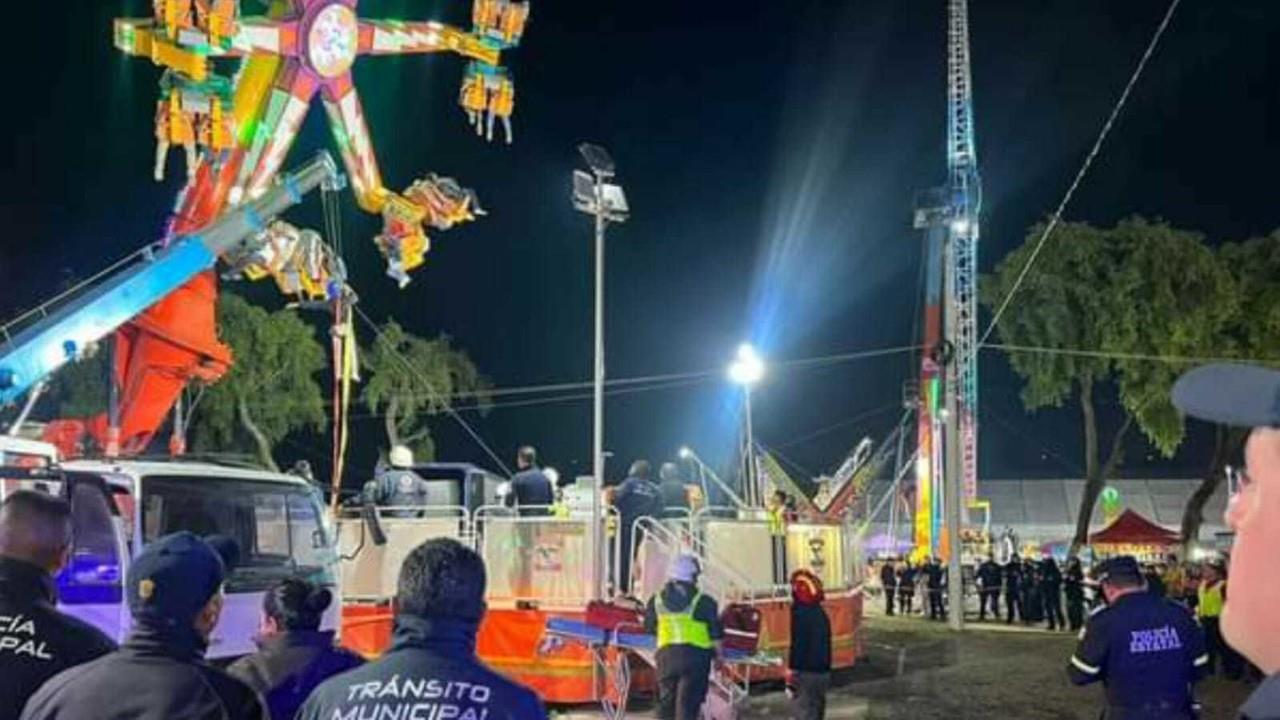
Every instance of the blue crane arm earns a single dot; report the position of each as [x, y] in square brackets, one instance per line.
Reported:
[61, 334]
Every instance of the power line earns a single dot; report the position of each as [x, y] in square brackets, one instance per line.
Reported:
[1117, 355]
[836, 426]
[1088, 162]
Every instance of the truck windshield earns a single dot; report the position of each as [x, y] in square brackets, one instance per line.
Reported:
[278, 526]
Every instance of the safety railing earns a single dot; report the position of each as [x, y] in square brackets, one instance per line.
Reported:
[659, 544]
[537, 558]
[370, 569]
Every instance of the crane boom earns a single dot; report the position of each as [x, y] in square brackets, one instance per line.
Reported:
[61, 334]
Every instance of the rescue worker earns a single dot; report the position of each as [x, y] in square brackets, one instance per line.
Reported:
[1013, 588]
[635, 498]
[398, 486]
[531, 491]
[889, 582]
[36, 641]
[294, 655]
[809, 657]
[776, 514]
[687, 625]
[174, 590]
[1051, 589]
[1146, 650]
[1073, 588]
[675, 494]
[1245, 396]
[431, 670]
[1212, 597]
[933, 585]
[988, 577]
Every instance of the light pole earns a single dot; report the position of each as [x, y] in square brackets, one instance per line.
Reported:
[593, 195]
[747, 370]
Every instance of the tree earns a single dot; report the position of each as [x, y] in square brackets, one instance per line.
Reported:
[271, 390]
[1096, 308]
[411, 378]
[1253, 331]
[79, 388]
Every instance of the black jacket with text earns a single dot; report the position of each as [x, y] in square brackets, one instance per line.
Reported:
[36, 641]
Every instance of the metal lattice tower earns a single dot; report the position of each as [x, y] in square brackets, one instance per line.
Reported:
[966, 202]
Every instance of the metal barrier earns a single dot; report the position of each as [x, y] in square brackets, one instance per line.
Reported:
[738, 541]
[538, 559]
[660, 543]
[370, 572]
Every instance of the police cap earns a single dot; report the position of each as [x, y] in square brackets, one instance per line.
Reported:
[1119, 569]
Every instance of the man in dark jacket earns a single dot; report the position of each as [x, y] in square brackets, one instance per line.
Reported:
[675, 494]
[989, 577]
[175, 596]
[1051, 588]
[687, 626]
[906, 587]
[36, 641]
[1147, 650]
[889, 582]
[635, 498]
[809, 659]
[1013, 588]
[1073, 588]
[531, 491]
[431, 670]
[933, 585]
[294, 655]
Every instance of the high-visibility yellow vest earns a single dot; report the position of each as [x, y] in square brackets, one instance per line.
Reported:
[680, 628]
[777, 521]
[1211, 600]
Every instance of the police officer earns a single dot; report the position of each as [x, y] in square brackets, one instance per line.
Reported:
[1073, 589]
[399, 486]
[933, 584]
[36, 641]
[906, 587]
[687, 624]
[988, 577]
[431, 670]
[1146, 650]
[175, 597]
[675, 494]
[1013, 588]
[635, 498]
[889, 581]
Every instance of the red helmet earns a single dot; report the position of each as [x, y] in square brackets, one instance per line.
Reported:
[806, 588]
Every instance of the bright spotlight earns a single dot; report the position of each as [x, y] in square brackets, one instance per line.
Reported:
[748, 368]
[685, 453]
[960, 226]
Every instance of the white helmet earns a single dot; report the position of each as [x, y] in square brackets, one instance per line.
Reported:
[401, 457]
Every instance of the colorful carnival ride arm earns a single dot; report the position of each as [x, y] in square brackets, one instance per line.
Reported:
[62, 333]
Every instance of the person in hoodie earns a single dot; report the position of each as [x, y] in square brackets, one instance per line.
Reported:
[175, 597]
[637, 497]
[36, 641]
[431, 670]
[294, 655]
[687, 624]
[809, 658]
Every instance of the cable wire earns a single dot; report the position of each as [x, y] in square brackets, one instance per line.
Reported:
[1088, 162]
[1116, 355]
[448, 407]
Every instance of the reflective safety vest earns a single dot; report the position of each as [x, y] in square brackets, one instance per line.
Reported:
[777, 521]
[680, 628]
[1211, 599]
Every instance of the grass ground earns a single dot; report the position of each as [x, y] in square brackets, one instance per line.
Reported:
[920, 670]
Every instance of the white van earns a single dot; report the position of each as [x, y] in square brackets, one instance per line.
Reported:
[119, 506]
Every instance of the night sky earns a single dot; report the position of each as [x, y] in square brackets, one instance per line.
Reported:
[771, 156]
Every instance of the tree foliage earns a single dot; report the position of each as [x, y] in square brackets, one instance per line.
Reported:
[410, 379]
[79, 389]
[271, 390]
[1100, 306]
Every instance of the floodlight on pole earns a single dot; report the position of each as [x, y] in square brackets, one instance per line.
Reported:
[606, 203]
[746, 370]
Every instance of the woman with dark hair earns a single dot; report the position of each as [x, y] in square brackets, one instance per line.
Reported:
[294, 655]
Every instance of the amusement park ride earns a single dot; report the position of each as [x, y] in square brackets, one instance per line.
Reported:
[236, 131]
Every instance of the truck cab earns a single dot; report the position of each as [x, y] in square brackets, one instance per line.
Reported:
[119, 506]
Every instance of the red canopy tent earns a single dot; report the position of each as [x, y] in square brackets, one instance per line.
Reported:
[1132, 534]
